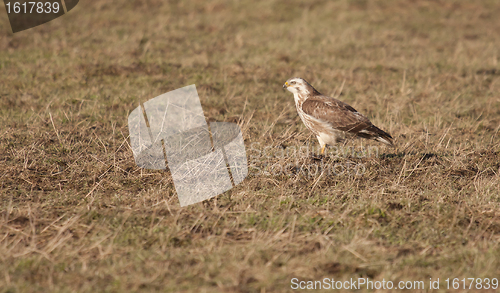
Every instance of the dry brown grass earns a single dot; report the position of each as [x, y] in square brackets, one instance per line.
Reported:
[77, 214]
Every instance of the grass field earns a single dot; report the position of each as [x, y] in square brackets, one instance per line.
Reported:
[77, 214]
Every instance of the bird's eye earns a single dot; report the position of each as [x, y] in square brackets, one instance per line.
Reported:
[293, 82]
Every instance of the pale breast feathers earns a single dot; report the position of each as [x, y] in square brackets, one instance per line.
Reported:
[338, 114]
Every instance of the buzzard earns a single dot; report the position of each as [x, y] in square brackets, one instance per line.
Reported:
[329, 119]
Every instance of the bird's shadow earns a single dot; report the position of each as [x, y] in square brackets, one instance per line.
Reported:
[426, 156]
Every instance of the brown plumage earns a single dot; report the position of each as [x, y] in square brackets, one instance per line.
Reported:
[329, 119]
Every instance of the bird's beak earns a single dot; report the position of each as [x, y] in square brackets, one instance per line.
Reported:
[285, 85]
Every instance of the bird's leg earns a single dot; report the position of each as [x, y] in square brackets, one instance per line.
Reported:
[321, 155]
[322, 144]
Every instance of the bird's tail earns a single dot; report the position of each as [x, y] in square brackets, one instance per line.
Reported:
[373, 132]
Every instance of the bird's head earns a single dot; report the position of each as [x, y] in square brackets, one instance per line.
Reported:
[298, 85]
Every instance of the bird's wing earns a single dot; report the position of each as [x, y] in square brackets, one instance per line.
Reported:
[338, 114]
